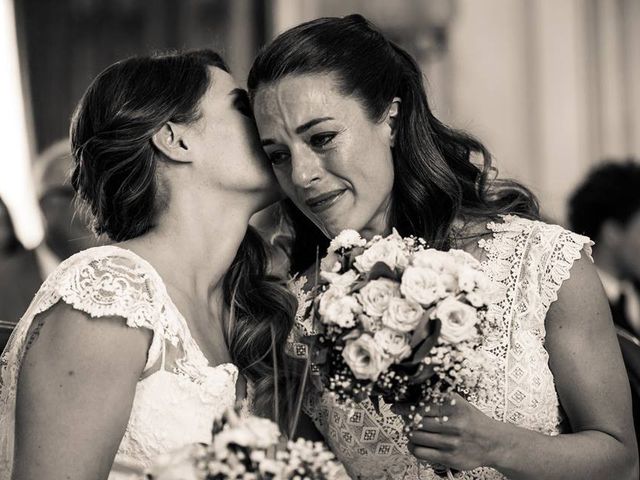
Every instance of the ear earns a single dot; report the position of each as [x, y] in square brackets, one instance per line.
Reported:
[391, 119]
[171, 141]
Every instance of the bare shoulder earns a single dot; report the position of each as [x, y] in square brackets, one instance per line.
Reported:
[64, 335]
[581, 297]
[77, 382]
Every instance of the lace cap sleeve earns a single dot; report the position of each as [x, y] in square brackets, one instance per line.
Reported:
[109, 281]
[564, 248]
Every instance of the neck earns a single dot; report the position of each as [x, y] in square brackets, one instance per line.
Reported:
[380, 224]
[194, 243]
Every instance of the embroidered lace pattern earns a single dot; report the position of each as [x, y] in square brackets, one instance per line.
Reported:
[174, 405]
[528, 261]
[303, 322]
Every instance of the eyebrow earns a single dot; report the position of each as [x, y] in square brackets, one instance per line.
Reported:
[301, 129]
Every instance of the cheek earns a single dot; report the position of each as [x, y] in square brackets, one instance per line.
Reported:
[375, 174]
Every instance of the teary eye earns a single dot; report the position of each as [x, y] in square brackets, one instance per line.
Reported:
[321, 139]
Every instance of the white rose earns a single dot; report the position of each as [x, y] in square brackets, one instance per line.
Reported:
[376, 294]
[484, 285]
[390, 250]
[394, 343]
[179, 464]
[365, 358]
[251, 432]
[458, 320]
[346, 239]
[370, 324]
[450, 282]
[467, 279]
[476, 299]
[341, 311]
[402, 315]
[422, 285]
[342, 281]
[435, 260]
[463, 258]
[271, 468]
[329, 296]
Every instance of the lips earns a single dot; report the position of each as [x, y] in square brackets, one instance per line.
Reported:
[324, 201]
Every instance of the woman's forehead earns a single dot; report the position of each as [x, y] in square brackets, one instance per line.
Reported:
[298, 98]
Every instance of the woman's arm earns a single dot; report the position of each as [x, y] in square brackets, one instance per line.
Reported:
[594, 393]
[75, 390]
[591, 381]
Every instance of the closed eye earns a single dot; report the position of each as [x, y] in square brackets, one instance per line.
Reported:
[279, 157]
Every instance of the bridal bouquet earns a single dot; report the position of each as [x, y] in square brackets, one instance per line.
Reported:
[397, 320]
[248, 448]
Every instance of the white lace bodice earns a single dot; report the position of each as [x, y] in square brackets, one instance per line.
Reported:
[173, 406]
[528, 261]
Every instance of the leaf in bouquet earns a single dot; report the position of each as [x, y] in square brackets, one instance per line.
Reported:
[320, 356]
[381, 270]
[426, 346]
[358, 285]
[424, 329]
[350, 334]
[344, 262]
[352, 255]
[375, 401]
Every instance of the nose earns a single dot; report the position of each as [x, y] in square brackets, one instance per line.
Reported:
[306, 168]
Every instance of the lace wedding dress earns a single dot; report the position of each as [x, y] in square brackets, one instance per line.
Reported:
[176, 404]
[528, 261]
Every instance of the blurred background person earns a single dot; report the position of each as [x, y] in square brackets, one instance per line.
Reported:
[19, 278]
[606, 208]
[66, 231]
[9, 243]
[66, 228]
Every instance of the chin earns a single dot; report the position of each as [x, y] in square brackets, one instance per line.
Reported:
[333, 230]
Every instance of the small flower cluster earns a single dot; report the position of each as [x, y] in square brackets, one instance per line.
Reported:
[249, 448]
[397, 319]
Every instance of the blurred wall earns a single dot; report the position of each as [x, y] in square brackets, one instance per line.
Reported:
[68, 42]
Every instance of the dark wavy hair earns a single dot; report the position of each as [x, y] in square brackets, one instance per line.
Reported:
[116, 175]
[436, 180]
[611, 191]
[13, 244]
